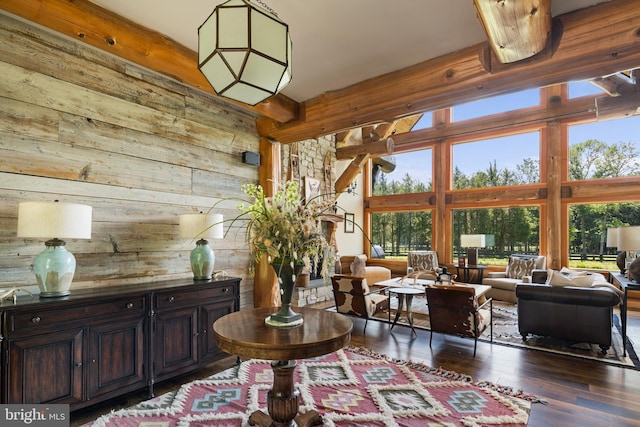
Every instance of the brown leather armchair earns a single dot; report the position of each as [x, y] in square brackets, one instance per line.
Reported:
[579, 314]
[454, 309]
[353, 296]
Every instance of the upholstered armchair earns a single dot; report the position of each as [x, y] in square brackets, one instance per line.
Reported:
[503, 283]
[454, 309]
[353, 296]
[356, 265]
[424, 264]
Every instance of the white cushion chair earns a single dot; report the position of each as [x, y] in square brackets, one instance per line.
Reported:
[519, 268]
[356, 265]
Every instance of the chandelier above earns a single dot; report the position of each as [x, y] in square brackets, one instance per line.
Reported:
[244, 51]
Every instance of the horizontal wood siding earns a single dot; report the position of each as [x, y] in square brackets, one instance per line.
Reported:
[78, 125]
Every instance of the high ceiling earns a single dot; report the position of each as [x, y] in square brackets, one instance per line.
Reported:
[337, 43]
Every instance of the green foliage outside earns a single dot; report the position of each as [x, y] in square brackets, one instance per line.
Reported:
[516, 229]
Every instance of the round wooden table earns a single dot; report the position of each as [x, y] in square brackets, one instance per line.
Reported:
[245, 334]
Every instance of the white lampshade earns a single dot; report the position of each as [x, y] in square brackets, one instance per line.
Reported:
[629, 238]
[201, 226]
[54, 220]
[612, 237]
[472, 240]
[244, 51]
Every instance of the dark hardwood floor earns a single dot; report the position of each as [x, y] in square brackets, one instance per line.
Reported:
[579, 392]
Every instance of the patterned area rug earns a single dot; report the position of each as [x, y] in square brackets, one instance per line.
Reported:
[505, 332]
[351, 387]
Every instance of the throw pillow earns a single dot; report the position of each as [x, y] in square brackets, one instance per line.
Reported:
[520, 267]
[556, 278]
[358, 266]
[422, 262]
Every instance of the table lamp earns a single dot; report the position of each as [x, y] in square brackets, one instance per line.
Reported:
[472, 242]
[55, 266]
[629, 242]
[201, 226]
[612, 242]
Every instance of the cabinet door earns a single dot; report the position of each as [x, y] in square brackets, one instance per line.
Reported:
[209, 313]
[46, 368]
[175, 341]
[116, 359]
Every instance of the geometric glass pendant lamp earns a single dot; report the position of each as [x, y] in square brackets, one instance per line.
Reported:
[202, 226]
[55, 266]
[244, 51]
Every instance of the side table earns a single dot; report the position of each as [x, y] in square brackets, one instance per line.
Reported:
[405, 296]
[466, 273]
[626, 285]
[245, 334]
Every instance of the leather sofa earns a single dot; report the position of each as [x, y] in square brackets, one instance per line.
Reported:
[580, 314]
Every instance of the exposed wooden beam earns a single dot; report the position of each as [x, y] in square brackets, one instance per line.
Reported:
[596, 41]
[383, 147]
[105, 30]
[350, 173]
[343, 137]
[367, 133]
[615, 84]
[608, 107]
[533, 118]
[516, 29]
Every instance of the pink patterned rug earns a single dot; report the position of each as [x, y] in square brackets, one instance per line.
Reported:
[351, 387]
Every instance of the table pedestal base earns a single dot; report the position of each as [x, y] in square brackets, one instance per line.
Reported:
[283, 401]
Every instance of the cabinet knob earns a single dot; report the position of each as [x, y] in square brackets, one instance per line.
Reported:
[129, 305]
[225, 290]
[171, 299]
[77, 365]
[35, 319]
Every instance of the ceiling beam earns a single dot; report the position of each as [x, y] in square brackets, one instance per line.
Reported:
[350, 173]
[105, 30]
[596, 41]
[383, 147]
[617, 84]
[608, 108]
[515, 29]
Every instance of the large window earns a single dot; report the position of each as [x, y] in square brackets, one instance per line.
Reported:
[511, 160]
[400, 232]
[403, 173]
[495, 184]
[507, 231]
[583, 88]
[496, 104]
[606, 149]
[588, 232]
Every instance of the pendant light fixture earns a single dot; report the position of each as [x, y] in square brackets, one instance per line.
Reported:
[244, 51]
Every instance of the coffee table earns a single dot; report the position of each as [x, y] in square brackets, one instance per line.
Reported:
[405, 282]
[245, 334]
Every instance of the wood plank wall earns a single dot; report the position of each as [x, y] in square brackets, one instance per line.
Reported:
[81, 126]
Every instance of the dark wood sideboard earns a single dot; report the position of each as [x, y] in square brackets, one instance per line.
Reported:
[96, 344]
